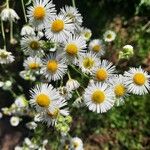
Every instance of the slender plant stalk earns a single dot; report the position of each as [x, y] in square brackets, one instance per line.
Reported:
[11, 29]
[7, 3]
[3, 33]
[24, 11]
[73, 3]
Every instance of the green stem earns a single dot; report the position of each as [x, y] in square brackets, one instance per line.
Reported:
[11, 29]
[68, 75]
[73, 3]
[7, 3]
[24, 11]
[3, 34]
[79, 72]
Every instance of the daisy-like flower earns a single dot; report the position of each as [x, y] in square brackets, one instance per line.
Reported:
[76, 144]
[9, 14]
[109, 36]
[31, 45]
[137, 81]
[73, 14]
[40, 13]
[27, 30]
[6, 57]
[86, 33]
[105, 70]
[65, 93]
[59, 28]
[117, 83]
[73, 47]
[32, 63]
[96, 46]
[50, 116]
[14, 121]
[44, 97]
[54, 67]
[88, 62]
[99, 97]
[72, 84]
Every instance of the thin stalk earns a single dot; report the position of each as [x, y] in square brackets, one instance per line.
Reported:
[68, 75]
[11, 29]
[3, 34]
[24, 11]
[73, 3]
[7, 3]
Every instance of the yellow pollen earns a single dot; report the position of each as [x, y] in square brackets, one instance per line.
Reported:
[96, 48]
[76, 144]
[109, 36]
[88, 63]
[101, 74]
[52, 66]
[119, 90]
[3, 55]
[39, 13]
[98, 96]
[139, 79]
[72, 49]
[35, 45]
[33, 66]
[57, 25]
[43, 100]
[53, 114]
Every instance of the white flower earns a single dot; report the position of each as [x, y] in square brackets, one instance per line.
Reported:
[88, 62]
[18, 148]
[96, 46]
[44, 97]
[54, 67]
[74, 46]
[40, 13]
[128, 47]
[1, 115]
[117, 83]
[27, 30]
[65, 93]
[21, 101]
[109, 36]
[9, 14]
[31, 45]
[105, 70]
[72, 84]
[31, 125]
[6, 57]
[32, 63]
[98, 97]
[76, 144]
[86, 33]
[137, 81]
[26, 75]
[14, 121]
[1, 83]
[73, 14]
[8, 84]
[50, 117]
[59, 28]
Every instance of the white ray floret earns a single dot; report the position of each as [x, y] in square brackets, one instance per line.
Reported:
[76, 144]
[73, 47]
[59, 28]
[117, 83]
[40, 13]
[27, 30]
[6, 57]
[88, 62]
[50, 116]
[105, 70]
[73, 14]
[137, 81]
[97, 46]
[54, 67]
[32, 63]
[98, 97]
[31, 45]
[109, 36]
[44, 97]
